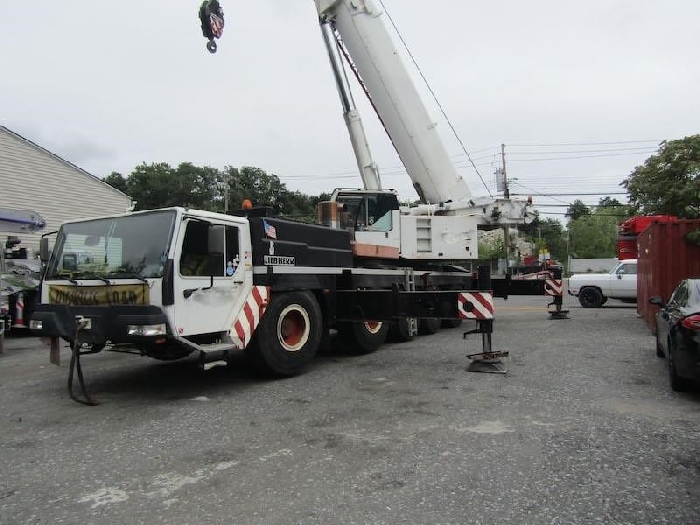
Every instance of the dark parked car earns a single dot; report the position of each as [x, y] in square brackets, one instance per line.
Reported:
[678, 333]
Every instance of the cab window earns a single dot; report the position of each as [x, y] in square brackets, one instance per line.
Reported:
[628, 269]
[209, 249]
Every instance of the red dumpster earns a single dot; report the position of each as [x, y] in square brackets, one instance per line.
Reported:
[665, 256]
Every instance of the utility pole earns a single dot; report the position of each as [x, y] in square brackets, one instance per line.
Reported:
[226, 184]
[506, 195]
[506, 191]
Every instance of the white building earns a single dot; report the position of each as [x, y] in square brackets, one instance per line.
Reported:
[33, 178]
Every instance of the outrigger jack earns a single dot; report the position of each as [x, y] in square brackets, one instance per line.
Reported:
[488, 361]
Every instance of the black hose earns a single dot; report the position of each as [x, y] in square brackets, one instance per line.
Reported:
[75, 365]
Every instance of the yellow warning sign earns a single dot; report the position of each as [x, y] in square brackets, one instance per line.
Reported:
[121, 294]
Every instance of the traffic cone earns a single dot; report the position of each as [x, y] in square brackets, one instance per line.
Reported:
[19, 312]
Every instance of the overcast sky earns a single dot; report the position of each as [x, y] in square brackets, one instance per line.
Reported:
[109, 84]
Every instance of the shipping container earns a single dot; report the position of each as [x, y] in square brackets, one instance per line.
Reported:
[626, 243]
[665, 257]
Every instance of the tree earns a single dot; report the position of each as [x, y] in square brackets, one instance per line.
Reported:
[149, 185]
[159, 185]
[577, 209]
[492, 248]
[254, 184]
[668, 182]
[593, 236]
[116, 180]
[547, 233]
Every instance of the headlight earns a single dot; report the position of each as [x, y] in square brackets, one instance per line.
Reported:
[146, 330]
[36, 325]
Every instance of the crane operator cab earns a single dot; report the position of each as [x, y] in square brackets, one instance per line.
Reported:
[371, 216]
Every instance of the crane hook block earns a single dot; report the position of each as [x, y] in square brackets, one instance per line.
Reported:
[212, 17]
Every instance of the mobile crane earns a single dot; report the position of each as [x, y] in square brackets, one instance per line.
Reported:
[172, 282]
[13, 297]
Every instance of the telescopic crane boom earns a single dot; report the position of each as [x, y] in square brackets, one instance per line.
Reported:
[360, 29]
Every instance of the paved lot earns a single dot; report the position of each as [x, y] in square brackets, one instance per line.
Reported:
[583, 429]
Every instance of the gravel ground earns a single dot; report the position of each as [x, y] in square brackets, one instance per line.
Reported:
[583, 429]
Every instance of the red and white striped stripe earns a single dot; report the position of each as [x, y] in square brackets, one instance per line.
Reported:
[475, 305]
[250, 316]
[554, 287]
[19, 312]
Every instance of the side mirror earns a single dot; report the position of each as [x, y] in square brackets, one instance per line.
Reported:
[44, 253]
[658, 301]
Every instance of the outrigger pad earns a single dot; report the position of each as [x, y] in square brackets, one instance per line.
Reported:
[488, 363]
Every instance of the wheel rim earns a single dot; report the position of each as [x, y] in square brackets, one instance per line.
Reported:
[587, 297]
[373, 327]
[293, 328]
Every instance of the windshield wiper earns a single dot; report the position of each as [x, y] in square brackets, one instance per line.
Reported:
[92, 275]
[129, 275]
[64, 277]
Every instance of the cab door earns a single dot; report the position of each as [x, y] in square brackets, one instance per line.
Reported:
[210, 287]
[624, 282]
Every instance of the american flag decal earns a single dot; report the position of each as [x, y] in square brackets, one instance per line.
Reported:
[475, 305]
[217, 25]
[270, 230]
[250, 316]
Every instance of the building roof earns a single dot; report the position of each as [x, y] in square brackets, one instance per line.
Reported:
[61, 159]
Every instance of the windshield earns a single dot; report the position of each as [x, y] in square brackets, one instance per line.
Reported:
[130, 246]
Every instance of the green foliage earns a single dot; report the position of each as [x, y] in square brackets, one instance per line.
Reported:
[116, 180]
[548, 233]
[593, 236]
[159, 185]
[577, 209]
[693, 237]
[668, 182]
[492, 249]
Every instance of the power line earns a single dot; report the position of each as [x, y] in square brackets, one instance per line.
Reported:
[583, 157]
[574, 194]
[547, 144]
[563, 152]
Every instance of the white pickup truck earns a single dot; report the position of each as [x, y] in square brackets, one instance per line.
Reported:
[594, 289]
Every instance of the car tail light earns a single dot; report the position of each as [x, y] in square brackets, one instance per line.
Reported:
[691, 322]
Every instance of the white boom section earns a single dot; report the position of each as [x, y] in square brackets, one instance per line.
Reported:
[362, 29]
[368, 169]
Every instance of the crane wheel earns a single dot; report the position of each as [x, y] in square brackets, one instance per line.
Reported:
[211, 46]
[363, 337]
[400, 331]
[428, 326]
[288, 335]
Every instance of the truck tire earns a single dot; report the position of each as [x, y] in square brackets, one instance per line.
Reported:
[288, 335]
[678, 383]
[399, 331]
[363, 337]
[428, 326]
[590, 298]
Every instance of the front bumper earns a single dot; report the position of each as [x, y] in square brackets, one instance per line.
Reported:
[108, 323]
